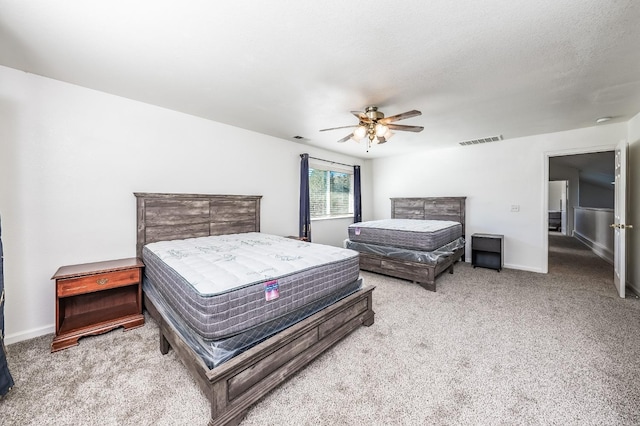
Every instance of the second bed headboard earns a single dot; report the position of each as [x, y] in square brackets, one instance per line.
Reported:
[430, 208]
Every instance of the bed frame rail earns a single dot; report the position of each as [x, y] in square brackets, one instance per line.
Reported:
[234, 386]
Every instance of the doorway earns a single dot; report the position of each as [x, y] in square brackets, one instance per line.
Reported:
[584, 184]
[558, 190]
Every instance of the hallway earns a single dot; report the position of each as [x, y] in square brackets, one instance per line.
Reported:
[569, 257]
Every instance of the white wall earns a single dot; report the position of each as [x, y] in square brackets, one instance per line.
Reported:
[71, 158]
[633, 204]
[557, 191]
[494, 176]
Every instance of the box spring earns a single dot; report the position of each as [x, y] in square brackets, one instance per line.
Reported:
[429, 258]
[215, 352]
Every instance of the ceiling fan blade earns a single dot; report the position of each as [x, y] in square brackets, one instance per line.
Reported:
[341, 127]
[346, 138]
[405, 128]
[361, 115]
[381, 140]
[408, 114]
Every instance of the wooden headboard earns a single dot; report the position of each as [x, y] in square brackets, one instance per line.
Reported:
[430, 208]
[162, 217]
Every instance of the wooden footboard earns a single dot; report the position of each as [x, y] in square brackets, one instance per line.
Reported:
[235, 385]
[420, 273]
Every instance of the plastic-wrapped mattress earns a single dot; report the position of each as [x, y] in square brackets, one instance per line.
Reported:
[221, 286]
[412, 234]
[215, 352]
[430, 258]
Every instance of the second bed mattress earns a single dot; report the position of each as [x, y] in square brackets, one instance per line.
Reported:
[412, 234]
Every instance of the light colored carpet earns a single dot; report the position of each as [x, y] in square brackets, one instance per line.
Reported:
[487, 348]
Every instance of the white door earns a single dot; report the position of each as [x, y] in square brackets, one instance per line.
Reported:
[563, 206]
[619, 226]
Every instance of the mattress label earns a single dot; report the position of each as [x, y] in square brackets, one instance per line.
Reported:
[271, 290]
[357, 231]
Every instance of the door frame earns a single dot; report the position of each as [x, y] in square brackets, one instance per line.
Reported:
[545, 191]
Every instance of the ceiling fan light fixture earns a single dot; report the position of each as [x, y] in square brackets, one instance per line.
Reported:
[381, 129]
[375, 127]
[360, 133]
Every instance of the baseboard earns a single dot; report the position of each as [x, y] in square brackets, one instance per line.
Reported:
[522, 268]
[29, 334]
[512, 266]
[598, 249]
[634, 289]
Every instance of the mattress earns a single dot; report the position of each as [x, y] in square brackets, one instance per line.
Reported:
[215, 352]
[225, 285]
[429, 258]
[412, 234]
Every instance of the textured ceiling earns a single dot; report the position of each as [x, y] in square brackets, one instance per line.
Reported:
[286, 68]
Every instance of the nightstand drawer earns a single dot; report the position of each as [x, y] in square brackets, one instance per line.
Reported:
[486, 244]
[98, 282]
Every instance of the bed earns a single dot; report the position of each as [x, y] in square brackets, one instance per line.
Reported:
[244, 374]
[403, 255]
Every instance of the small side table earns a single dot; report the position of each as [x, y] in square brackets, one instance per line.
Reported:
[94, 298]
[487, 251]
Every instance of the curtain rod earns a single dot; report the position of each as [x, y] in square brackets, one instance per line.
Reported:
[332, 162]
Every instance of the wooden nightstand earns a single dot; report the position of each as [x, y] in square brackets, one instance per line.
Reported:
[487, 251]
[94, 298]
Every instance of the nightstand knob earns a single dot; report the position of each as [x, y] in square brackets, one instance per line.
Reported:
[102, 281]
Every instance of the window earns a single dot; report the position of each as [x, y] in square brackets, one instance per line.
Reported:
[330, 192]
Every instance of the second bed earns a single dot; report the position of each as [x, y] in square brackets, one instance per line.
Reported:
[424, 237]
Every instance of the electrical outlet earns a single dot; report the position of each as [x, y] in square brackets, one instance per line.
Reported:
[515, 208]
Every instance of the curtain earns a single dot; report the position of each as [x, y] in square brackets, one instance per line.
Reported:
[6, 381]
[304, 230]
[357, 198]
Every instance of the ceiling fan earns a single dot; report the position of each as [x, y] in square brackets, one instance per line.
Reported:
[376, 127]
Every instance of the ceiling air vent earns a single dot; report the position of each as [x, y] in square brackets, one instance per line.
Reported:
[482, 140]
